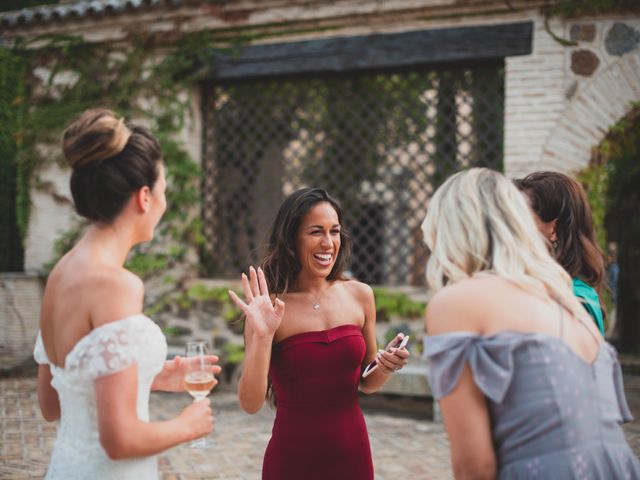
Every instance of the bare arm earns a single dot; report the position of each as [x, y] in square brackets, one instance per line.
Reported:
[262, 320]
[252, 388]
[47, 395]
[466, 419]
[388, 361]
[464, 410]
[124, 435]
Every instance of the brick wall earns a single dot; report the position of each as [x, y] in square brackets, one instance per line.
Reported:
[561, 100]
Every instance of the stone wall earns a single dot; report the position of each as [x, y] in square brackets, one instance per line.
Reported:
[51, 216]
[20, 298]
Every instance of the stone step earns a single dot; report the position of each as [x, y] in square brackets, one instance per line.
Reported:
[411, 381]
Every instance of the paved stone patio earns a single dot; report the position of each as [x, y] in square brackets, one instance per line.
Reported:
[403, 447]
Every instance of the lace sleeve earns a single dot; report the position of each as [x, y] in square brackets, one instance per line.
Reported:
[108, 349]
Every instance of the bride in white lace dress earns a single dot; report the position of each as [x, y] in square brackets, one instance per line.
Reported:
[99, 355]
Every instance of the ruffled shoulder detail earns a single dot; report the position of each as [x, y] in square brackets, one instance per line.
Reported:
[39, 353]
[110, 348]
[490, 360]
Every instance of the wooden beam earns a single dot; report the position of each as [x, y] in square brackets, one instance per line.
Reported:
[371, 52]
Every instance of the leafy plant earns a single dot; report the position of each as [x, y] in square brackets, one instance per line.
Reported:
[147, 264]
[595, 180]
[175, 331]
[393, 304]
[571, 8]
[233, 353]
[59, 76]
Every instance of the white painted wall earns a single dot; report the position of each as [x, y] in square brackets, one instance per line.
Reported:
[51, 215]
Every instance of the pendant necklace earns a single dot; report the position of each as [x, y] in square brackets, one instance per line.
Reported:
[316, 302]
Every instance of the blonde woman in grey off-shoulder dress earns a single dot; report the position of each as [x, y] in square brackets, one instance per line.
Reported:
[527, 386]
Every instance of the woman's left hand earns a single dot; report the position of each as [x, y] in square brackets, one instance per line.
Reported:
[392, 359]
[171, 378]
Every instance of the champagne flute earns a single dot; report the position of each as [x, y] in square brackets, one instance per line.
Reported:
[198, 380]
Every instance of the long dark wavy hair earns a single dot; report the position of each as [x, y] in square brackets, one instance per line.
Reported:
[281, 264]
[555, 196]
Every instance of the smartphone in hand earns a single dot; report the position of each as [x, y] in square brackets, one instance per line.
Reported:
[401, 343]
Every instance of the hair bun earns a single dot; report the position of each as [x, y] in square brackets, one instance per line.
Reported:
[95, 136]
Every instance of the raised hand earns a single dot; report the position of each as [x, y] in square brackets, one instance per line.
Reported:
[171, 378]
[263, 316]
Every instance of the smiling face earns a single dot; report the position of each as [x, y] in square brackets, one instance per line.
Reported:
[318, 240]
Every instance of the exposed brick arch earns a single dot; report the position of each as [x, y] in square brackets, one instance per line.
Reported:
[599, 103]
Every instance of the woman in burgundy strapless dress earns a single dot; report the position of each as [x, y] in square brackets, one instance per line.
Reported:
[319, 428]
[312, 357]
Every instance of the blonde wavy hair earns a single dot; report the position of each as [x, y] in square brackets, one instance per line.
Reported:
[478, 223]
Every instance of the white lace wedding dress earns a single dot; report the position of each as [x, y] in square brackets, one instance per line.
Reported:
[110, 348]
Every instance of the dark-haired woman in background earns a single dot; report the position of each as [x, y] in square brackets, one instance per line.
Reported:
[563, 216]
[314, 353]
[99, 355]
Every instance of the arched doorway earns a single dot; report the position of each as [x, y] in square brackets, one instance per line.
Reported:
[619, 153]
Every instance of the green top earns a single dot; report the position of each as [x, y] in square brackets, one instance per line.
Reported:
[590, 301]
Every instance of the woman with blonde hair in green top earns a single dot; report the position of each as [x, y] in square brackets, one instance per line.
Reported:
[563, 216]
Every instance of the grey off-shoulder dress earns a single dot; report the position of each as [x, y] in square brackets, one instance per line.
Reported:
[553, 415]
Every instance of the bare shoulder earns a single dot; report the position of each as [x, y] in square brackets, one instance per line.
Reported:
[361, 292]
[119, 279]
[118, 294]
[459, 307]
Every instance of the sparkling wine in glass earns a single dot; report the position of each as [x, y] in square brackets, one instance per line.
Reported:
[198, 380]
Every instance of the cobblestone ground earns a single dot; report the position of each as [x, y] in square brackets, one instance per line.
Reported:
[402, 447]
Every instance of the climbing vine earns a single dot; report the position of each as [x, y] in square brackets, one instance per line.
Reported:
[595, 180]
[571, 8]
[11, 69]
[614, 173]
[60, 76]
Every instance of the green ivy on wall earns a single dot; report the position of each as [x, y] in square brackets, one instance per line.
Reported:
[12, 175]
[595, 180]
[614, 173]
[573, 8]
[584, 8]
[49, 80]
[612, 183]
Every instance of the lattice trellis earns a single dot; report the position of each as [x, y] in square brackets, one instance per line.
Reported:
[380, 143]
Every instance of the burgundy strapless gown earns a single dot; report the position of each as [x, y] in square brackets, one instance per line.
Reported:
[319, 432]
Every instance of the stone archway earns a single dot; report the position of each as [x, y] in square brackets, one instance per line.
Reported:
[621, 154]
[597, 105]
